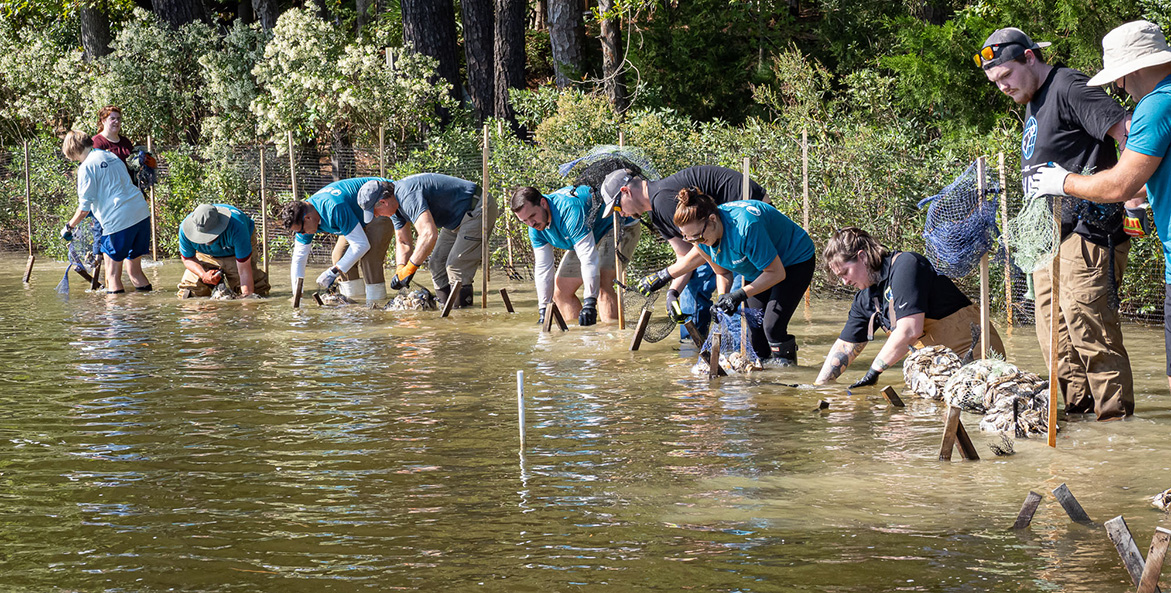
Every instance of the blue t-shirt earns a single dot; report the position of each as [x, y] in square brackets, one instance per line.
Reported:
[337, 203]
[569, 209]
[1150, 134]
[448, 198]
[236, 240]
[755, 234]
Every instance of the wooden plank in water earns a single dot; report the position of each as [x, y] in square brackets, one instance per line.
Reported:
[1025, 517]
[558, 318]
[1132, 558]
[1150, 579]
[28, 269]
[297, 290]
[693, 333]
[967, 449]
[507, 301]
[317, 297]
[97, 281]
[713, 360]
[1071, 505]
[950, 423]
[892, 396]
[452, 297]
[84, 274]
[644, 319]
[547, 325]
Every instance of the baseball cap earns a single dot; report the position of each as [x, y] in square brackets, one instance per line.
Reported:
[370, 193]
[1003, 45]
[1130, 48]
[206, 223]
[612, 189]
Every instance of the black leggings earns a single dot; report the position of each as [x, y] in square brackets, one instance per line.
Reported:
[779, 303]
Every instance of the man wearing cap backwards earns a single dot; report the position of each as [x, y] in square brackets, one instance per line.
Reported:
[631, 195]
[563, 220]
[447, 214]
[361, 241]
[1076, 126]
[1137, 59]
[218, 241]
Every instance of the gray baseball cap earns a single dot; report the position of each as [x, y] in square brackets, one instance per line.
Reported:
[370, 193]
[206, 223]
[1005, 44]
[612, 189]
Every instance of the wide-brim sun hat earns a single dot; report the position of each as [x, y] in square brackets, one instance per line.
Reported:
[206, 223]
[1130, 48]
[612, 189]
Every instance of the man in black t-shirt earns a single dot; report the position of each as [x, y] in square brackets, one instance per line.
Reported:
[1076, 127]
[633, 195]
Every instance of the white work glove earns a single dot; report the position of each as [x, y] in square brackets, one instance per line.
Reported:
[327, 278]
[1049, 181]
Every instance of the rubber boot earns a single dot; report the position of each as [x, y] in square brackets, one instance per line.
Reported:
[352, 288]
[783, 354]
[465, 297]
[441, 294]
[375, 293]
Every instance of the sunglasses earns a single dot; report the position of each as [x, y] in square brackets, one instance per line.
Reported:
[989, 53]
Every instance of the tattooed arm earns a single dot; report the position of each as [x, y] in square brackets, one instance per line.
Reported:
[840, 356]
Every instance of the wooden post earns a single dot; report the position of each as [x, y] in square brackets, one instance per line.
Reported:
[892, 396]
[693, 332]
[644, 319]
[292, 167]
[154, 241]
[558, 318]
[297, 290]
[621, 137]
[452, 297]
[507, 301]
[985, 288]
[263, 210]
[805, 192]
[484, 193]
[745, 194]
[618, 270]
[1006, 237]
[97, 281]
[953, 435]
[28, 210]
[1054, 317]
[317, 297]
[713, 360]
[1149, 582]
[1071, 505]
[1025, 517]
[84, 274]
[1132, 558]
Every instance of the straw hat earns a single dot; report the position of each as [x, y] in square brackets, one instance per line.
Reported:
[1130, 48]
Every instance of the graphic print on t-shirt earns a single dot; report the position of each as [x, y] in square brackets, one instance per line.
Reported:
[1029, 138]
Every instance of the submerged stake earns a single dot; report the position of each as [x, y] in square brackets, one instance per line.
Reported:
[520, 405]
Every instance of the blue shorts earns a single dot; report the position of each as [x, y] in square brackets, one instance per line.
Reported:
[130, 243]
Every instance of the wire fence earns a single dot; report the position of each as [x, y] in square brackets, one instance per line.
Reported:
[818, 182]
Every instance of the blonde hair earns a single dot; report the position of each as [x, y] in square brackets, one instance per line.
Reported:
[844, 247]
[75, 145]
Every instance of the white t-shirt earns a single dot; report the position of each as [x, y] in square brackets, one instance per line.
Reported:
[104, 187]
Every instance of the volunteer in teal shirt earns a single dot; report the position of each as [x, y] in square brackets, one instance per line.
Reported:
[751, 238]
[216, 243]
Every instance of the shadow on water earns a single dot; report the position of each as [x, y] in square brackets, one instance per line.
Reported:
[152, 444]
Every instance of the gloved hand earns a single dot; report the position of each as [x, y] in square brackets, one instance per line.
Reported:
[674, 311]
[589, 312]
[541, 317]
[652, 282]
[211, 277]
[403, 275]
[728, 303]
[1049, 181]
[870, 379]
[1136, 224]
[67, 233]
[328, 277]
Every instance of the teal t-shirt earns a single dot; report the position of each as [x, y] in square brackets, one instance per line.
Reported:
[236, 240]
[755, 233]
[337, 203]
[1150, 134]
[569, 209]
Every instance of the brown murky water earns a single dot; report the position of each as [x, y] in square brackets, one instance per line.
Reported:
[149, 444]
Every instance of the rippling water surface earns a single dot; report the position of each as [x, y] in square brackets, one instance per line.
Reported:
[151, 444]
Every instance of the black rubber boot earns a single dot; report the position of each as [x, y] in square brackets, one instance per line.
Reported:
[441, 294]
[146, 288]
[465, 297]
[784, 354]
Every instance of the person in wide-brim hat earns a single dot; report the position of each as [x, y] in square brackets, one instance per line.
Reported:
[218, 243]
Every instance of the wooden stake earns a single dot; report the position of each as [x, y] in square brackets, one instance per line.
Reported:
[1025, 517]
[97, 281]
[805, 192]
[520, 405]
[745, 194]
[892, 397]
[28, 268]
[1132, 558]
[263, 210]
[485, 196]
[1149, 582]
[292, 166]
[713, 360]
[28, 210]
[84, 274]
[558, 318]
[1071, 505]
[507, 301]
[1005, 242]
[452, 297]
[644, 319]
[985, 288]
[297, 293]
[317, 297]
[1054, 316]
[693, 332]
[154, 241]
[954, 434]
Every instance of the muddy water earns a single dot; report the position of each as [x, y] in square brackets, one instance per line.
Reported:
[149, 444]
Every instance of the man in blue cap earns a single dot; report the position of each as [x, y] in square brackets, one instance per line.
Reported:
[218, 241]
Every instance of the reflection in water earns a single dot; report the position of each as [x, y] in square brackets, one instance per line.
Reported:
[149, 444]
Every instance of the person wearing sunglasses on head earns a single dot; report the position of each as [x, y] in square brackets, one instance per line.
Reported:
[750, 238]
[690, 295]
[1075, 126]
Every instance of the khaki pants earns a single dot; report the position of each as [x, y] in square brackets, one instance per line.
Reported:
[457, 252]
[227, 265]
[570, 266]
[380, 232]
[955, 332]
[1093, 367]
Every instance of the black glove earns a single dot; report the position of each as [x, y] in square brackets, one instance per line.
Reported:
[870, 379]
[541, 317]
[674, 311]
[728, 303]
[652, 282]
[589, 312]
[398, 284]
[67, 233]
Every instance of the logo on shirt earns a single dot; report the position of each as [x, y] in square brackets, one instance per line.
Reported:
[1029, 138]
[888, 294]
[753, 210]
[104, 165]
[335, 192]
[737, 262]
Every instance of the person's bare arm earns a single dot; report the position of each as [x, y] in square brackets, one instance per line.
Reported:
[841, 354]
[1119, 183]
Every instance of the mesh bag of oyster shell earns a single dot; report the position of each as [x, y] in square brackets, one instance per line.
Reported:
[1017, 402]
[961, 224]
[728, 326]
[600, 161]
[968, 386]
[419, 299]
[927, 370]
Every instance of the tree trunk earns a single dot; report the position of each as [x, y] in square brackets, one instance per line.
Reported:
[180, 12]
[614, 81]
[341, 155]
[429, 29]
[266, 13]
[566, 31]
[539, 13]
[479, 23]
[363, 8]
[244, 12]
[510, 54]
[95, 32]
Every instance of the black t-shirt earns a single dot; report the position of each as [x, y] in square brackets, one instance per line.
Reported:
[722, 184]
[914, 286]
[1067, 123]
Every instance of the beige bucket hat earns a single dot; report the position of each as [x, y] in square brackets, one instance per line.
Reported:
[1130, 48]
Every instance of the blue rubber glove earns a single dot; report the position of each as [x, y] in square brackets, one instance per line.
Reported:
[67, 233]
[328, 277]
[728, 303]
[674, 311]
[652, 282]
[589, 312]
[870, 379]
